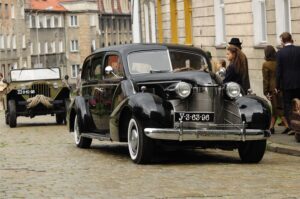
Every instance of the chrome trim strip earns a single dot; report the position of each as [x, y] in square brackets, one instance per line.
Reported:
[207, 134]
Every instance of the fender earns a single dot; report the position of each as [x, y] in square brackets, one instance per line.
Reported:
[149, 108]
[82, 111]
[255, 111]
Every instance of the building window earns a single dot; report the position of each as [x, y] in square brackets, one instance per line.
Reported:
[174, 20]
[283, 17]
[260, 22]
[12, 8]
[93, 45]
[53, 47]
[49, 20]
[39, 48]
[60, 21]
[6, 10]
[61, 47]
[220, 23]
[74, 45]
[73, 21]
[30, 21]
[52, 22]
[23, 41]
[116, 4]
[46, 48]
[1, 42]
[92, 20]
[8, 41]
[75, 70]
[14, 42]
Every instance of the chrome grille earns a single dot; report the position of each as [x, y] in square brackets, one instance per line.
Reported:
[40, 89]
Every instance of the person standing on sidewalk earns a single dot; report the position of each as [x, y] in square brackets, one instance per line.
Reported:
[269, 85]
[237, 71]
[288, 72]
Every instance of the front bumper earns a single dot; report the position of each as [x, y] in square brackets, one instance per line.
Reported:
[207, 134]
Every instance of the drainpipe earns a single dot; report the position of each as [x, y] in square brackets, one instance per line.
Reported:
[136, 24]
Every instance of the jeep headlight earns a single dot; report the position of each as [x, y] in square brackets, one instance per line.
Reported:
[233, 90]
[55, 85]
[183, 89]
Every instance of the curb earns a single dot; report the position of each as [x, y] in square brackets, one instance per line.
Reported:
[284, 149]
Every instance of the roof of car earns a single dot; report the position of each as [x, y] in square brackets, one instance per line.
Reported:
[128, 48]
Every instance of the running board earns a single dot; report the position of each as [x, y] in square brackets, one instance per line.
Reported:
[101, 137]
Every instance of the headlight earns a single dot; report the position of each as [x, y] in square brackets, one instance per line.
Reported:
[183, 89]
[233, 90]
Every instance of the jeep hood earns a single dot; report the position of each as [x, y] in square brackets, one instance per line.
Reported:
[195, 77]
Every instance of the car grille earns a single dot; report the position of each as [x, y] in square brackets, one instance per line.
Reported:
[40, 89]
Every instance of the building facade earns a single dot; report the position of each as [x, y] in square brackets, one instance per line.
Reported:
[115, 22]
[13, 38]
[210, 25]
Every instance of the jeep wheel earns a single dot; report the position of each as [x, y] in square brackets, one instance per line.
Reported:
[60, 118]
[252, 151]
[80, 141]
[12, 115]
[139, 145]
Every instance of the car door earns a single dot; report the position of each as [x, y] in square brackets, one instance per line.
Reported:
[105, 91]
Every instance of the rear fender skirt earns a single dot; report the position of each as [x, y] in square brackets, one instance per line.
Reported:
[255, 111]
[82, 111]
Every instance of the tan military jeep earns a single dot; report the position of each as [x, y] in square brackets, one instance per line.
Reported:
[32, 92]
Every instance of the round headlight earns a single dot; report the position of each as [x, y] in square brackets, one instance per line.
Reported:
[233, 90]
[183, 89]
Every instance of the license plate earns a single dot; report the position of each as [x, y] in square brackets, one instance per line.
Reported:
[194, 117]
[26, 92]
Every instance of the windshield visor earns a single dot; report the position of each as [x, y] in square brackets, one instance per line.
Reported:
[149, 61]
[34, 74]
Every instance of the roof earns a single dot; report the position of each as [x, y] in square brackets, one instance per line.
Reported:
[48, 5]
[128, 48]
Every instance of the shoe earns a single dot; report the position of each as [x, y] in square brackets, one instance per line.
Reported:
[291, 133]
[272, 130]
[286, 130]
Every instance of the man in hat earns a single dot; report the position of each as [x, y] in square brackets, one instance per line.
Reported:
[236, 42]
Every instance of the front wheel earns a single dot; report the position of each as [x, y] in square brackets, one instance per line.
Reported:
[139, 145]
[252, 151]
[80, 141]
[12, 113]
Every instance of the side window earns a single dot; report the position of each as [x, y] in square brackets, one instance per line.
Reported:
[85, 75]
[96, 67]
[185, 60]
[115, 62]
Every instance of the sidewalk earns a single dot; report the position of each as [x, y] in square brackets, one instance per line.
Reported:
[283, 143]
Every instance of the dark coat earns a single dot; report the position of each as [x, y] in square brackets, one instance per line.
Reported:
[233, 76]
[288, 68]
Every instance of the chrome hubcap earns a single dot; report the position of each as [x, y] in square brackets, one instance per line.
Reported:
[76, 131]
[133, 139]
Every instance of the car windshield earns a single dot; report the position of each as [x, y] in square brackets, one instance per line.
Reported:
[149, 62]
[34, 74]
[182, 60]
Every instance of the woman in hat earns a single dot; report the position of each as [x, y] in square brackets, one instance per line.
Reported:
[237, 71]
[236, 42]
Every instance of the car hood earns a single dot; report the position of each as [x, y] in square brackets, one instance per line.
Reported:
[195, 77]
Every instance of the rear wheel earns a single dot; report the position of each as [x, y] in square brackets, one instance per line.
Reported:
[252, 151]
[80, 141]
[139, 145]
[12, 113]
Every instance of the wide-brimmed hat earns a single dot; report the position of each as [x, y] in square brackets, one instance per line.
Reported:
[235, 41]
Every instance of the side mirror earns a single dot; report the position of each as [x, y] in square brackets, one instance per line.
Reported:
[108, 70]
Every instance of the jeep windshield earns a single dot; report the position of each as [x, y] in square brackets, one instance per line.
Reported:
[149, 62]
[34, 74]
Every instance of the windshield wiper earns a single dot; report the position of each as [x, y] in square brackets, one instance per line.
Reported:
[159, 71]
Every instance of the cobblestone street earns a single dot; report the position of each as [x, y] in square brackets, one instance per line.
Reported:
[38, 159]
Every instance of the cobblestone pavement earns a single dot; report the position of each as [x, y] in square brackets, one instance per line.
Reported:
[39, 160]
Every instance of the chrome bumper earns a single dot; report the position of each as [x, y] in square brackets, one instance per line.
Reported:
[207, 134]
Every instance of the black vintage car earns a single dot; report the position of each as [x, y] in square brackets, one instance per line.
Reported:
[35, 91]
[150, 95]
